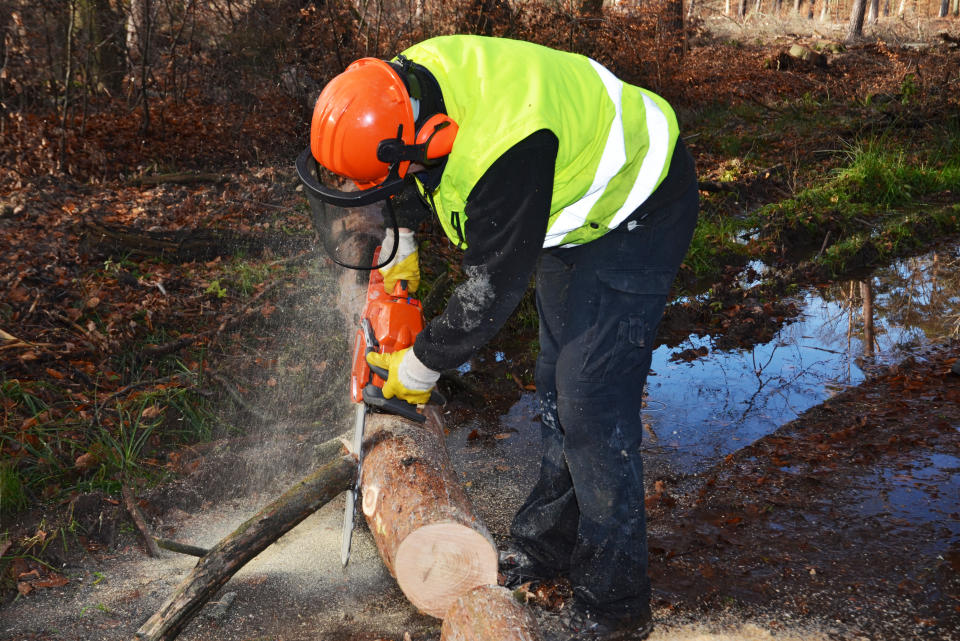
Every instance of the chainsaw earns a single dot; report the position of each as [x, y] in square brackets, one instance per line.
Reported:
[390, 321]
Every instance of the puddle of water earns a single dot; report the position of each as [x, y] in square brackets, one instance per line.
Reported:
[923, 491]
[702, 410]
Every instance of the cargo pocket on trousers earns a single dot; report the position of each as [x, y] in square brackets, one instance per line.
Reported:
[631, 303]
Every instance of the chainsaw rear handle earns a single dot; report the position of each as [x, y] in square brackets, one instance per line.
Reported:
[435, 396]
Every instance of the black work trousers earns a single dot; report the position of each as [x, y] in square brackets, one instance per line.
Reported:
[600, 305]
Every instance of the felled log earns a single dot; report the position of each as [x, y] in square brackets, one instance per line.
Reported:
[488, 613]
[183, 245]
[178, 179]
[247, 541]
[421, 519]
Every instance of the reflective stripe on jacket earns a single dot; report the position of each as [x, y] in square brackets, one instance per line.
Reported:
[616, 139]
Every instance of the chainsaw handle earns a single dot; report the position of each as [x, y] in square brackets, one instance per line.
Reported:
[373, 395]
[435, 396]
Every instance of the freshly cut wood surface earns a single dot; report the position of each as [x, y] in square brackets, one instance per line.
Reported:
[489, 613]
[421, 519]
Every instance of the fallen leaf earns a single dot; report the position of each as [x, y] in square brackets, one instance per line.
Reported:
[150, 412]
[52, 581]
[85, 461]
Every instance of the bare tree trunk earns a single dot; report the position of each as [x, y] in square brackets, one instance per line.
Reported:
[796, 5]
[674, 24]
[741, 8]
[825, 10]
[591, 7]
[110, 54]
[139, 32]
[866, 293]
[857, 13]
[726, 8]
[874, 12]
[810, 10]
[67, 81]
[944, 8]
[903, 8]
[758, 5]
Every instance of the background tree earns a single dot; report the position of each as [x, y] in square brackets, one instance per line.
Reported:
[857, 13]
[106, 24]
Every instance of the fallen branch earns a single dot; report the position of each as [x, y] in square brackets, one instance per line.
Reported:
[139, 521]
[178, 179]
[181, 548]
[185, 245]
[246, 542]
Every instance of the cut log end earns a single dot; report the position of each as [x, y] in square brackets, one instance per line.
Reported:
[489, 613]
[437, 563]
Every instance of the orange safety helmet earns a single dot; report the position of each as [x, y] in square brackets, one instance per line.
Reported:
[364, 129]
[363, 105]
[363, 126]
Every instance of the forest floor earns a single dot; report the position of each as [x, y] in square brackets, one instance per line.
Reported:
[186, 340]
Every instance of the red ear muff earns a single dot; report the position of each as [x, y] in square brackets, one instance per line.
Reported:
[437, 135]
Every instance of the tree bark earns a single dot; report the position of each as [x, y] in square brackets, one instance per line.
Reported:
[944, 8]
[591, 7]
[488, 613]
[111, 55]
[421, 519]
[246, 542]
[866, 293]
[857, 12]
[874, 12]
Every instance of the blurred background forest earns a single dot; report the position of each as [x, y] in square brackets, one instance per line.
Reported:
[99, 89]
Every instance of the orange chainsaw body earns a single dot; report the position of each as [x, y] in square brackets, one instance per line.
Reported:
[394, 320]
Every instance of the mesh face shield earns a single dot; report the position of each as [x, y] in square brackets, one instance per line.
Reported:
[351, 224]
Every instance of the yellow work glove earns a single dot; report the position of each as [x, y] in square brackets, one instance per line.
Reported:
[402, 366]
[405, 265]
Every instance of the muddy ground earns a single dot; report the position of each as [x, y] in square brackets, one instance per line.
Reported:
[795, 536]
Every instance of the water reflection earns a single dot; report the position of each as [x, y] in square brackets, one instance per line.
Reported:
[702, 410]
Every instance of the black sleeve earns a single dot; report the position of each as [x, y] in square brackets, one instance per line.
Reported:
[507, 214]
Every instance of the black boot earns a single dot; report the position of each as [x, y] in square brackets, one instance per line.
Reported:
[518, 567]
[592, 625]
